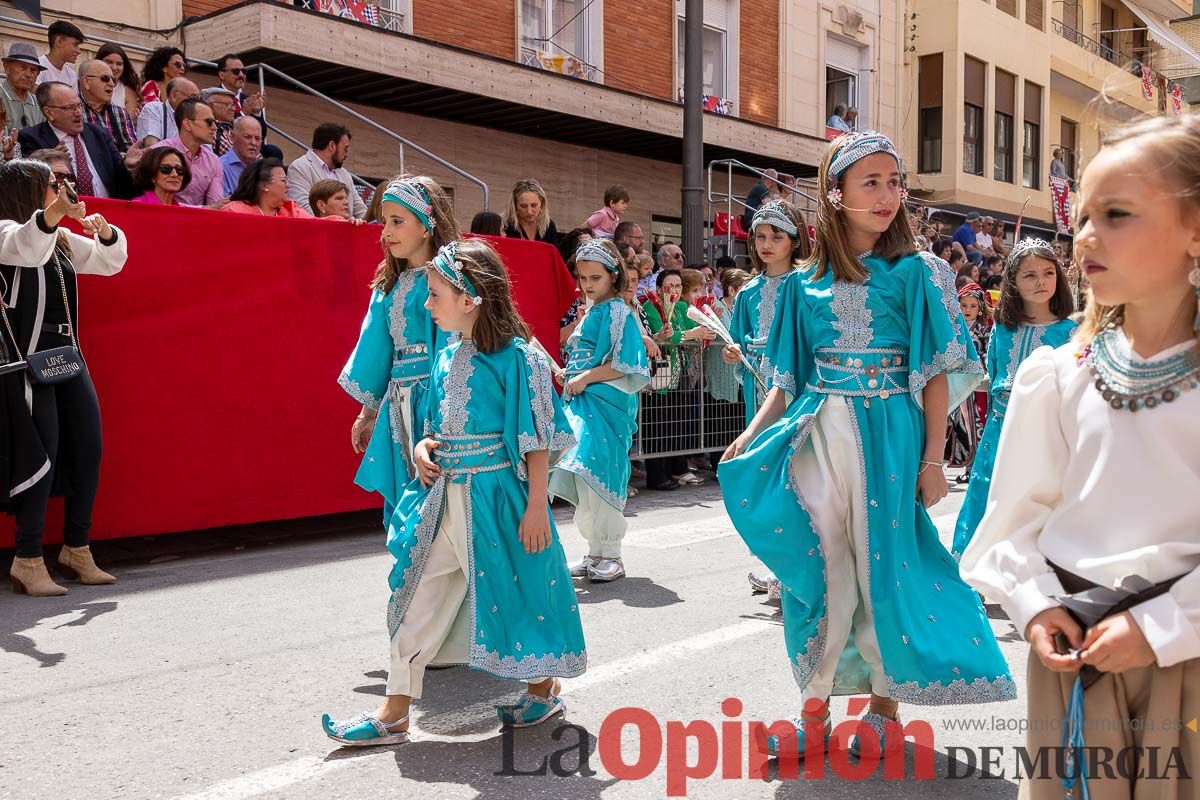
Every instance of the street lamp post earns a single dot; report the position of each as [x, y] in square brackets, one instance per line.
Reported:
[693, 132]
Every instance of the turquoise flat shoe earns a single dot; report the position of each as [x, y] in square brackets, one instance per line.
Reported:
[364, 731]
[530, 710]
[877, 723]
[774, 743]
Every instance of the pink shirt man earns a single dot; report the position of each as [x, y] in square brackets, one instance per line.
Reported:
[208, 178]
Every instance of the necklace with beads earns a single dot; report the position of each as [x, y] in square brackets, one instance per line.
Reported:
[1132, 385]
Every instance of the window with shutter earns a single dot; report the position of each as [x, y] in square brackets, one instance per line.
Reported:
[929, 115]
[1035, 13]
[1007, 6]
[974, 91]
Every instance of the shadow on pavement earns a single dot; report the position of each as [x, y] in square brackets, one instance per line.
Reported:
[25, 613]
[635, 592]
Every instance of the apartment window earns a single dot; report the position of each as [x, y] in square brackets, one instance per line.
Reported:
[929, 115]
[1070, 16]
[718, 46]
[1108, 27]
[1002, 147]
[1007, 6]
[1031, 160]
[1067, 143]
[558, 28]
[844, 86]
[974, 89]
[1035, 13]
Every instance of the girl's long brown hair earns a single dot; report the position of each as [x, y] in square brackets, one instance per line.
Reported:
[1010, 311]
[833, 249]
[445, 230]
[801, 246]
[498, 322]
[1173, 143]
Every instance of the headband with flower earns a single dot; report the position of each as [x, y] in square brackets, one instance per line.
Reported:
[774, 214]
[449, 267]
[412, 195]
[852, 148]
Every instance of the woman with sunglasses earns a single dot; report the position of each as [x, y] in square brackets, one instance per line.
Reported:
[164, 65]
[163, 173]
[51, 438]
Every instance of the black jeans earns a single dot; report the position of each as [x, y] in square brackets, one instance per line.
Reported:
[66, 415]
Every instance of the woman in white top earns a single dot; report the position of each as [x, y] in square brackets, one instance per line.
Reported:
[1097, 479]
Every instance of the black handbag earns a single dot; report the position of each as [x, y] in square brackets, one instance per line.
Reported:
[57, 364]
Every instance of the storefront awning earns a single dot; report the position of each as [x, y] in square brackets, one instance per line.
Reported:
[1184, 60]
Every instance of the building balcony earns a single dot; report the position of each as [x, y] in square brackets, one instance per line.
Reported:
[1118, 59]
[1093, 67]
[561, 63]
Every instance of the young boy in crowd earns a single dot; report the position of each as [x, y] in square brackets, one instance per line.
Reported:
[605, 221]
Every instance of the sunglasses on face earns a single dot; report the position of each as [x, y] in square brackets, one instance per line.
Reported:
[102, 78]
[61, 178]
[171, 169]
[178, 65]
[209, 121]
[236, 70]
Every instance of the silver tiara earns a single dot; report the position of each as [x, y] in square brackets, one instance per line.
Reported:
[1025, 247]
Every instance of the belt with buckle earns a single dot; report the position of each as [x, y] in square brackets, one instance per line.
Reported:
[62, 329]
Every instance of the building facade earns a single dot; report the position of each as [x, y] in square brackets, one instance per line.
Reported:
[579, 94]
[1001, 84]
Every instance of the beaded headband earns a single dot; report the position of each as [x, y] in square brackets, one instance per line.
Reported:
[1024, 248]
[412, 195]
[774, 214]
[592, 250]
[857, 146]
[449, 267]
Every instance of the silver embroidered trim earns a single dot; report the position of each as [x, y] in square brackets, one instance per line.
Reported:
[616, 327]
[405, 283]
[942, 277]
[852, 318]
[575, 466]
[431, 518]
[952, 359]
[567, 665]
[545, 436]
[785, 381]
[457, 390]
[1026, 339]
[360, 394]
[957, 692]
[768, 305]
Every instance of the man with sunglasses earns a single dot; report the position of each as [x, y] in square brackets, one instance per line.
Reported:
[96, 84]
[231, 72]
[99, 169]
[197, 128]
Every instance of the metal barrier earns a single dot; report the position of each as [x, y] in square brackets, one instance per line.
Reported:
[803, 196]
[687, 408]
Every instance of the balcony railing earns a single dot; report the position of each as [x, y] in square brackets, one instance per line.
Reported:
[1114, 57]
[560, 63]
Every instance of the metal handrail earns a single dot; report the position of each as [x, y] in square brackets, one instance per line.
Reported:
[262, 68]
[730, 199]
[1114, 57]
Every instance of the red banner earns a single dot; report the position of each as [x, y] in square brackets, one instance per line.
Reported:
[1176, 99]
[1060, 190]
[1147, 82]
[216, 351]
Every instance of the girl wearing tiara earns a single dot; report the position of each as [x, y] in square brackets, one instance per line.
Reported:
[606, 368]
[1034, 310]
[780, 244]
[479, 576]
[829, 483]
[388, 372]
[1093, 551]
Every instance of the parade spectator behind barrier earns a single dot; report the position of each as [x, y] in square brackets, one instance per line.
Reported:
[966, 236]
[330, 200]
[956, 259]
[247, 148]
[99, 168]
[711, 282]
[569, 242]
[263, 190]
[50, 431]
[65, 41]
[486, 223]
[669, 256]
[942, 249]
[723, 405]
[695, 336]
[231, 72]
[96, 84]
[330, 149]
[572, 239]
[163, 173]
[528, 214]
[126, 92]
[998, 235]
[21, 70]
[983, 239]
[630, 233]
[645, 268]
[374, 212]
[660, 417]
[758, 195]
[163, 66]
[59, 163]
[197, 128]
[157, 119]
[628, 295]
[221, 101]
[969, 270]
[604, 221]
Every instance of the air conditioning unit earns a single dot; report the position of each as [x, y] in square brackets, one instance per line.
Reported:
[851, 20]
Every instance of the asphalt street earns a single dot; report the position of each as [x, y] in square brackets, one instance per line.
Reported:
[203, 675]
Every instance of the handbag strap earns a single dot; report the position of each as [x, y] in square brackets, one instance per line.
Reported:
[62, 284]
[8, 326]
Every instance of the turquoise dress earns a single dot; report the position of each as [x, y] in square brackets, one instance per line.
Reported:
[603, 416]
[389, 372]
[488, 410]
[1006, 350]
[754, 311]
[877, 344]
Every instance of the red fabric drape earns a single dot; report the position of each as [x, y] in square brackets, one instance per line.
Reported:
[216, 351]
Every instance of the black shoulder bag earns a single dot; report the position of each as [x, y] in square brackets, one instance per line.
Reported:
[59, 363]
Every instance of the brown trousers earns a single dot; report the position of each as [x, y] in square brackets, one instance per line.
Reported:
[1137, 721]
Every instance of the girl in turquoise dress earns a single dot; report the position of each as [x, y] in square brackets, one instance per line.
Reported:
[780, 244]
[479, 577]
[388, 372]
[606, 368]
[1034, 310]
[830, 483]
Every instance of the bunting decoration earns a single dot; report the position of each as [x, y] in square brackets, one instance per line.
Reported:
[1060, 192]
[1176, 99]
[1147, 82]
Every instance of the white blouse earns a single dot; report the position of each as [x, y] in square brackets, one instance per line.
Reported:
[1103, 493]
[24, 244]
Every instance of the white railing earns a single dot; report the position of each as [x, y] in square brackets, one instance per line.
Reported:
[391, 20]
[560, 63]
